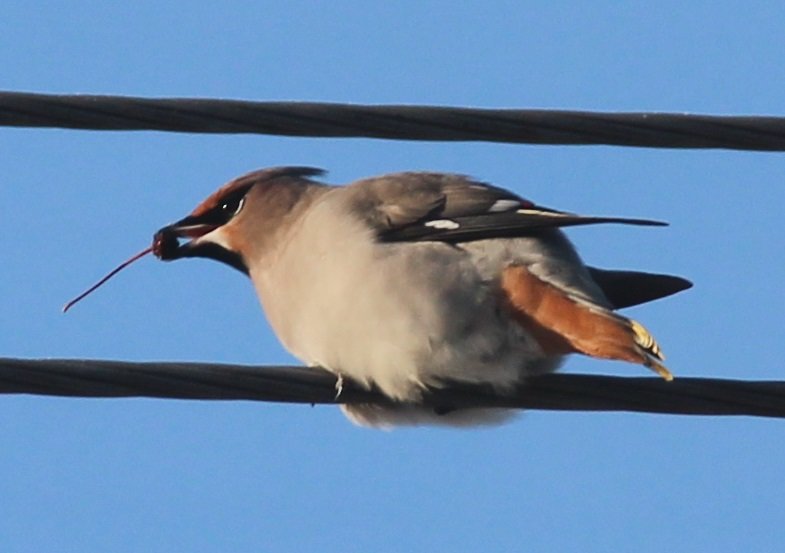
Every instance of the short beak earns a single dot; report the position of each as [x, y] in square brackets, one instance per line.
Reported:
[166, 242]
[167, 246]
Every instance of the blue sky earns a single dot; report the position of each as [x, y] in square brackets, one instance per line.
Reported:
[154, 475]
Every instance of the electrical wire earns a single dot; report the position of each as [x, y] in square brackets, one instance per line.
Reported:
[208, 381]
[95, 378]
[403, 122]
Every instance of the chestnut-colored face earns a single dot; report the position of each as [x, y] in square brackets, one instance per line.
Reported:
[269, 193]
[215, 212]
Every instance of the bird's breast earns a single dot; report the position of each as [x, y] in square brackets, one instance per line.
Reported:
[400, 316]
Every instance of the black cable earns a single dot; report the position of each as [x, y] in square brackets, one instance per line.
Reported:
[302, 385]
[657, 130]
[687, 396]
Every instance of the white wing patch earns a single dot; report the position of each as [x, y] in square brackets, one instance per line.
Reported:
[443, 224]
[503, 205]
[541, 212]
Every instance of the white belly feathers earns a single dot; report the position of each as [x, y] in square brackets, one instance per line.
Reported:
[401, 315]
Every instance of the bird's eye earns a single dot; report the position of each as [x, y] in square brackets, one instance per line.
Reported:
[226, 208]
[232, 206]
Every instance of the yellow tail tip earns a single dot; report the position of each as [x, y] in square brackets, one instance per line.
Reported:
[652, 363]
[652, 353]
[661, 370]
[645, 340]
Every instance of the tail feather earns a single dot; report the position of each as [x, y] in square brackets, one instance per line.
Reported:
[650, 350]
[562, 323]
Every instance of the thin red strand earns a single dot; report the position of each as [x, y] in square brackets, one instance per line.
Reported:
[116, 270]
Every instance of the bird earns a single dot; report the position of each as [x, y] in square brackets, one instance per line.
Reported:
[411, 281]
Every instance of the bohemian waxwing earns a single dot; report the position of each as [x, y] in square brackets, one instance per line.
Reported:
[411, 280]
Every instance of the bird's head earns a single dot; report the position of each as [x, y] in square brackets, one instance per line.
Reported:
[238, 221]
[235, 224]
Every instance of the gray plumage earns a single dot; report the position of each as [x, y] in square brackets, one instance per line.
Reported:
[394, 281]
